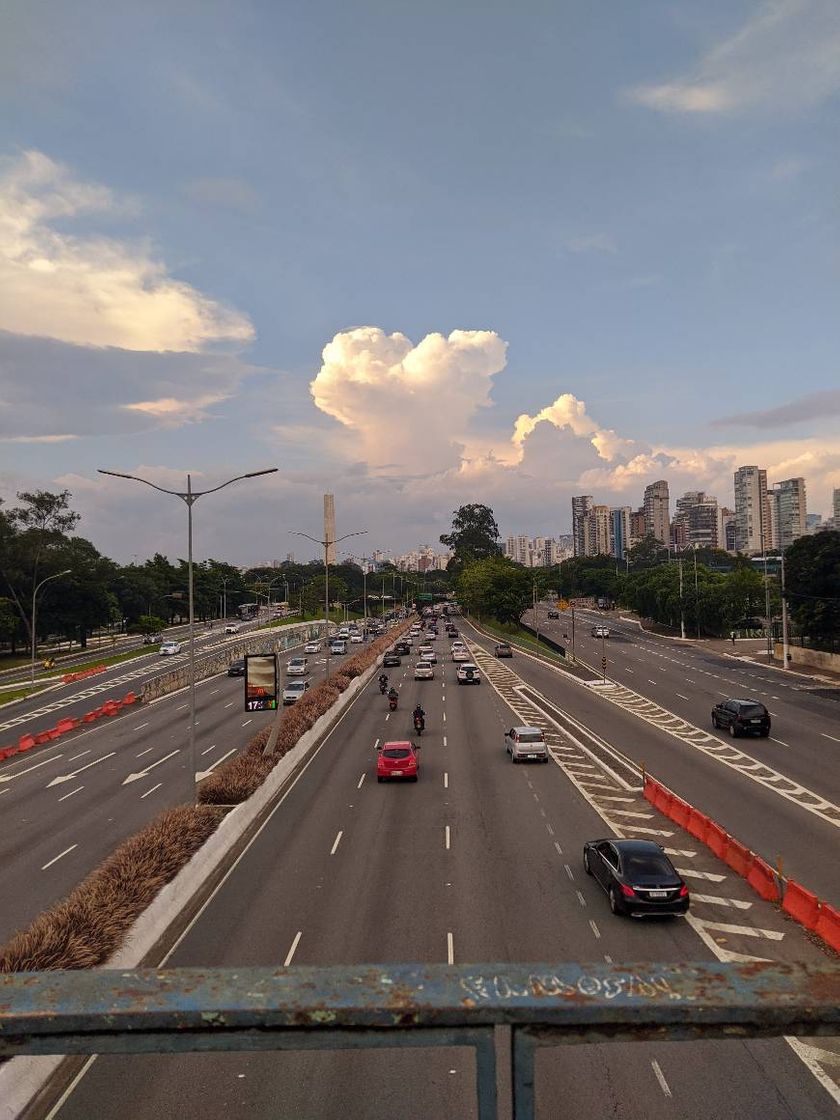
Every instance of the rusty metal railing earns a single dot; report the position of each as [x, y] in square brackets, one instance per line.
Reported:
[301, 1008]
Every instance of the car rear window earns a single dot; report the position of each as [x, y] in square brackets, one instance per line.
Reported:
[750, 711]
[396, 752]
[648, 865]
[530, 737]
[295, 686]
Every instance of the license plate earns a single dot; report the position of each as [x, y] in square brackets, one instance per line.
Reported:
[658, 894]
[755, 721]
[533, 756]
[396, 773]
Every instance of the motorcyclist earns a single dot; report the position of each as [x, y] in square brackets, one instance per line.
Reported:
[383, 682]
[419, 716]
[393, 695]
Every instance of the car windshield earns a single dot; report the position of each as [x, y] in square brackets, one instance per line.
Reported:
[647, 865]
[396, 752]
[530, 737]
[749, 711]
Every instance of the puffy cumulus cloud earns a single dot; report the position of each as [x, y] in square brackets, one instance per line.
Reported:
[52, 390]
[569, 412]
[786, 56]
[92, 290]
[405, 405]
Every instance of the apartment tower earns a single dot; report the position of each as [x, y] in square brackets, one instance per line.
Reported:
[658, 512]
[752, 511]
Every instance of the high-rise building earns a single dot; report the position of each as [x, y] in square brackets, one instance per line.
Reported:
[726, 531]
[787, 512]
[600, 533]
[637, 525]
[836, 508]
[657, 511]
[752, 511]
[697, 521]
[329, 527]
[581, 509]
[510, 548]
[620, 531]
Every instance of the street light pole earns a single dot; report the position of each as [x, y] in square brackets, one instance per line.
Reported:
[190, 497]
[57, 575]
[326, 546]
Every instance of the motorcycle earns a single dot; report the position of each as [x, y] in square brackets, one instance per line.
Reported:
[392, 703]
[383, 686]
[419, 724]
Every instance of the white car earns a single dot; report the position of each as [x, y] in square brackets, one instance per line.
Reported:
[169, 648]
[424, 652]
[459, 654]
[424, 671]
[356, 638]
[600, 631]
[294, 690]
[296, 667]
[430, 655]
[468, 674]
[232, 628]
[312, 647]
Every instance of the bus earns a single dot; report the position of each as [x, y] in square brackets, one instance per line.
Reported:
[248, 611]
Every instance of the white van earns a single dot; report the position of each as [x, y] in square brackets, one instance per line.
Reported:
[297, 667]
[338, 646]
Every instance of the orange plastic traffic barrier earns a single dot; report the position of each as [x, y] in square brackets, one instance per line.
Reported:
[828, 926]
[88, 717]
[802, 905]
[7, 752]
[698, 824]
[716, 838]
[42, 737]
[128, 699]
[651, 788]
[25, 742]
[679, 811]
[110, 707]
[664, 800]
[65, 725]
[738, 857]
[762, 879]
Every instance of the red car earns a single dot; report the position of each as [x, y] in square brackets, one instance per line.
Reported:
[397, 760]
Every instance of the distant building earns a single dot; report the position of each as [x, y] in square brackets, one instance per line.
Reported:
[752, 511]
[814, 523]
[620, 534]
[657, 511]
[836, 508]
[600, 531]
[637, 526]
[787, 512]
[726, 531]
[581, 509]
[696, 521]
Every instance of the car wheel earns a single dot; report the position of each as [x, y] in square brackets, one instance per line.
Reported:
[715, 721]
[414, 778]
[615, 905]
[732, 731]
[765, 734]
[586, 866]
[380, 780]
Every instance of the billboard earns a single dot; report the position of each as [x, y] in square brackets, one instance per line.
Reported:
[260, 682]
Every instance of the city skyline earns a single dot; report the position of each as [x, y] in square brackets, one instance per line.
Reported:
[615, 267]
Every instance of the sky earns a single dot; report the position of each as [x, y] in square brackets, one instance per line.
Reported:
[414, 255]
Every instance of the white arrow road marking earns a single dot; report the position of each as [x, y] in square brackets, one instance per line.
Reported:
[11, 777]
[69, 777]
[202, 774]
[143, 773]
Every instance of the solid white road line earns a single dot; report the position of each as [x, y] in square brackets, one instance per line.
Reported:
[291, 951]
[75, 756]
[660, 1077]
[70, 794]
[152, 790]
[359, 786]
[447, 837]
[336, 842]
[59, 856]
[450, 949]
[148, 750]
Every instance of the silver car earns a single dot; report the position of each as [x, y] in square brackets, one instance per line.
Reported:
[526, 743]
[294, 690]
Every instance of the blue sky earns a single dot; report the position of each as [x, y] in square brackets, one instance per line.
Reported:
[627, 215]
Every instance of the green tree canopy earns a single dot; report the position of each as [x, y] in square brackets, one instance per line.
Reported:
[474, 535]
[497, 587]
[812, 584]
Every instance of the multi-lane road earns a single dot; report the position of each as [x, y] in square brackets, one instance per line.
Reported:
[479, 861]
[65, 806]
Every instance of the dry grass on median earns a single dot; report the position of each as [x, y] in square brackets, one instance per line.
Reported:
[84, 929]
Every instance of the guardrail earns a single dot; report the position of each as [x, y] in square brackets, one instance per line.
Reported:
[302, 1008]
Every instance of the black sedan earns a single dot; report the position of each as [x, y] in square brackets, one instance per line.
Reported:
[637, 876]
[391, 659]
[742, 717]
[237, 668]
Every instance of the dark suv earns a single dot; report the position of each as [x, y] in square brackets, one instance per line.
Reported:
[742, 717]
[391, 659]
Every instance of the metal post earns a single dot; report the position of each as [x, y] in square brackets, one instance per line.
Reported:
[573, 633]
[56, 575]
[682, 613]
[190, 500]
[327, 597]
[785, 653]
[364, 594]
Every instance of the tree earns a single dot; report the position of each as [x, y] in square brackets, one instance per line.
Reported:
[497, 587]
[313, 594]
[474, 535]
[812, 584]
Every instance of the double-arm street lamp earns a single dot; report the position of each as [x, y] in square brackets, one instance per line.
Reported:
[57, 575]
[326, 545]
[190, 497]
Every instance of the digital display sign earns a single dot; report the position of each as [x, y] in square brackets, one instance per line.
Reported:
[260, 682]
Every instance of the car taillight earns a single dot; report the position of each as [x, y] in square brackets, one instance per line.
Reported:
[628, 892]
[683, 891]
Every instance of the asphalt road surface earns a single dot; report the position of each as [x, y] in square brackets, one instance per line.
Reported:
[478, 861]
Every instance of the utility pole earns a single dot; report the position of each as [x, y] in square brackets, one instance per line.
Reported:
[682, 613]
[785, 653]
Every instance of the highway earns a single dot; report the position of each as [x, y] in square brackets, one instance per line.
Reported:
[479, 861]
[66, 805]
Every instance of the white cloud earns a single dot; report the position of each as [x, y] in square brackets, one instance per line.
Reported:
[92, 290]
[174, 413]
[569, 412]
[407, 406]
[786, 57]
